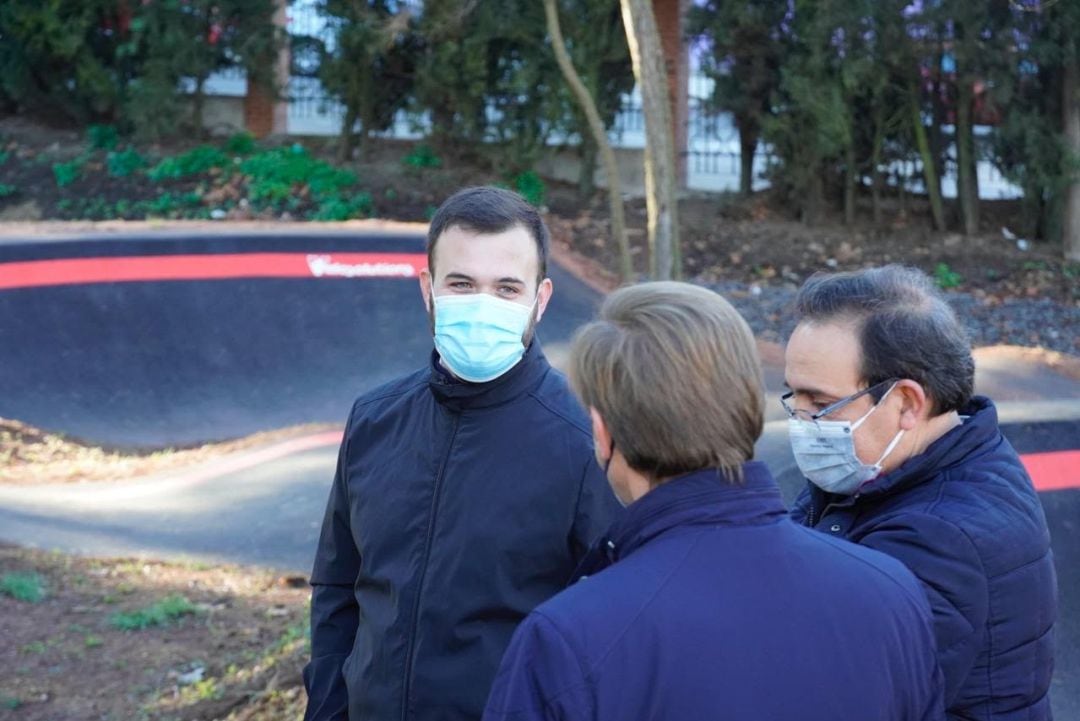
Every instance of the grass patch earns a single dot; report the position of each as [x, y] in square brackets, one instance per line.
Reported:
[28, 587]
[163, 612]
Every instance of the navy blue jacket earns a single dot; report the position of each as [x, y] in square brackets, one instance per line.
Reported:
[706, 602]
[964, 517]
[455, 510]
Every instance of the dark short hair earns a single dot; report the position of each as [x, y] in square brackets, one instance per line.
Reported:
[486, 209]
[905, 328]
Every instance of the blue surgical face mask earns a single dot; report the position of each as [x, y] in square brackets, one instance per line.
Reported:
[825, 452]
[479, 337]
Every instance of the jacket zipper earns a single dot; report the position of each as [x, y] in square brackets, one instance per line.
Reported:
[406, 686]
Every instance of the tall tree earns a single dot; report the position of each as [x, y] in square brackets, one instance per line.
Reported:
[1070, 101]
[599, 134]
[596, 43]
[746, 43]
[372, 66]
[665, 258]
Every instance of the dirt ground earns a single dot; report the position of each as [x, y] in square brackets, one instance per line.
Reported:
[236, 653]
[29, 455]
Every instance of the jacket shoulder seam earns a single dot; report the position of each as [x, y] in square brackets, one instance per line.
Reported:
[559, 414]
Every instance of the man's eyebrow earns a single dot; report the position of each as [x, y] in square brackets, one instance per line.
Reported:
[458, 276]
[510, 279]
[809, 391]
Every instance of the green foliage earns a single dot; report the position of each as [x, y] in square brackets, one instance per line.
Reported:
[122, 163]
[487, 73]
[240, 144]
[194, 162]
[344, 208]
[67, 173]
[531, 187]
[102, 137]
[100, 61]
[422, 156]
[372, 65]
[946, 277]
[28, 587]
[7, 190]
[92, 641]
[279, 176]
[169, 204]
[11, 703]
[161, 613]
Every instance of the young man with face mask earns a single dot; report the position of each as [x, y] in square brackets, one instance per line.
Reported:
[705, 601]
[466, 492]
[900, 457]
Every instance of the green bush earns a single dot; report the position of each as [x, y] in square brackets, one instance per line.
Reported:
[193, 162]
[161, 613]
[946, 277]
[168, 204]
[6, 190]
[122, 163]
[102, 137]
[29, 587]
[531, 187]
[422, 156]
[67, 173]
[337, 209]
[277, 176]
[240, 144]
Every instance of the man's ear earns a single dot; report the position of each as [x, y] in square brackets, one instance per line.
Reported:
[914, 403]
[543, 296]
[425, 288]
[601, 436]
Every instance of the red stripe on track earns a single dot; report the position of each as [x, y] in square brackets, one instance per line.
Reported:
[78, 271]
[1053, 471]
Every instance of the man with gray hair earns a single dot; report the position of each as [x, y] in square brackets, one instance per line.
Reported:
[901, 457]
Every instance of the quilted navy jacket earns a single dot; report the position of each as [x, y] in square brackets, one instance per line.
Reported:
[455, 510]
[964, 517]
[705, 602]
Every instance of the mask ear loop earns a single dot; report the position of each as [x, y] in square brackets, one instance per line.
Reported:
[889, 448]
[611, 456]
[856, 424]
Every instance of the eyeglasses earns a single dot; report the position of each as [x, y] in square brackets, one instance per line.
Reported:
[831, 408]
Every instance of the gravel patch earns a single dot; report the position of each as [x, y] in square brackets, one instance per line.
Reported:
[1033, 323]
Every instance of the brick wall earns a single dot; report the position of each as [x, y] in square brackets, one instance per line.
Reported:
[265, 114]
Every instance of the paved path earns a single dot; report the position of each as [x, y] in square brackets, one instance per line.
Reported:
[182, 362]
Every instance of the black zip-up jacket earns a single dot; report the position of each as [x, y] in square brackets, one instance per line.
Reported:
[455, 510]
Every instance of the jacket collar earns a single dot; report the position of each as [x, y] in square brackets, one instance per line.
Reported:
[978, 430]
[699, 498]
[458, 395]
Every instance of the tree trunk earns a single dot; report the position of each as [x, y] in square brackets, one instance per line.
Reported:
[588, 153]
[1071, 117]
[198, 99]
[813, 204]
[851, 179]
[933, 190]
[967, 181]
[599, 133]
[748, 140]
[348, 137]
[647, 56]
[875, 165]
